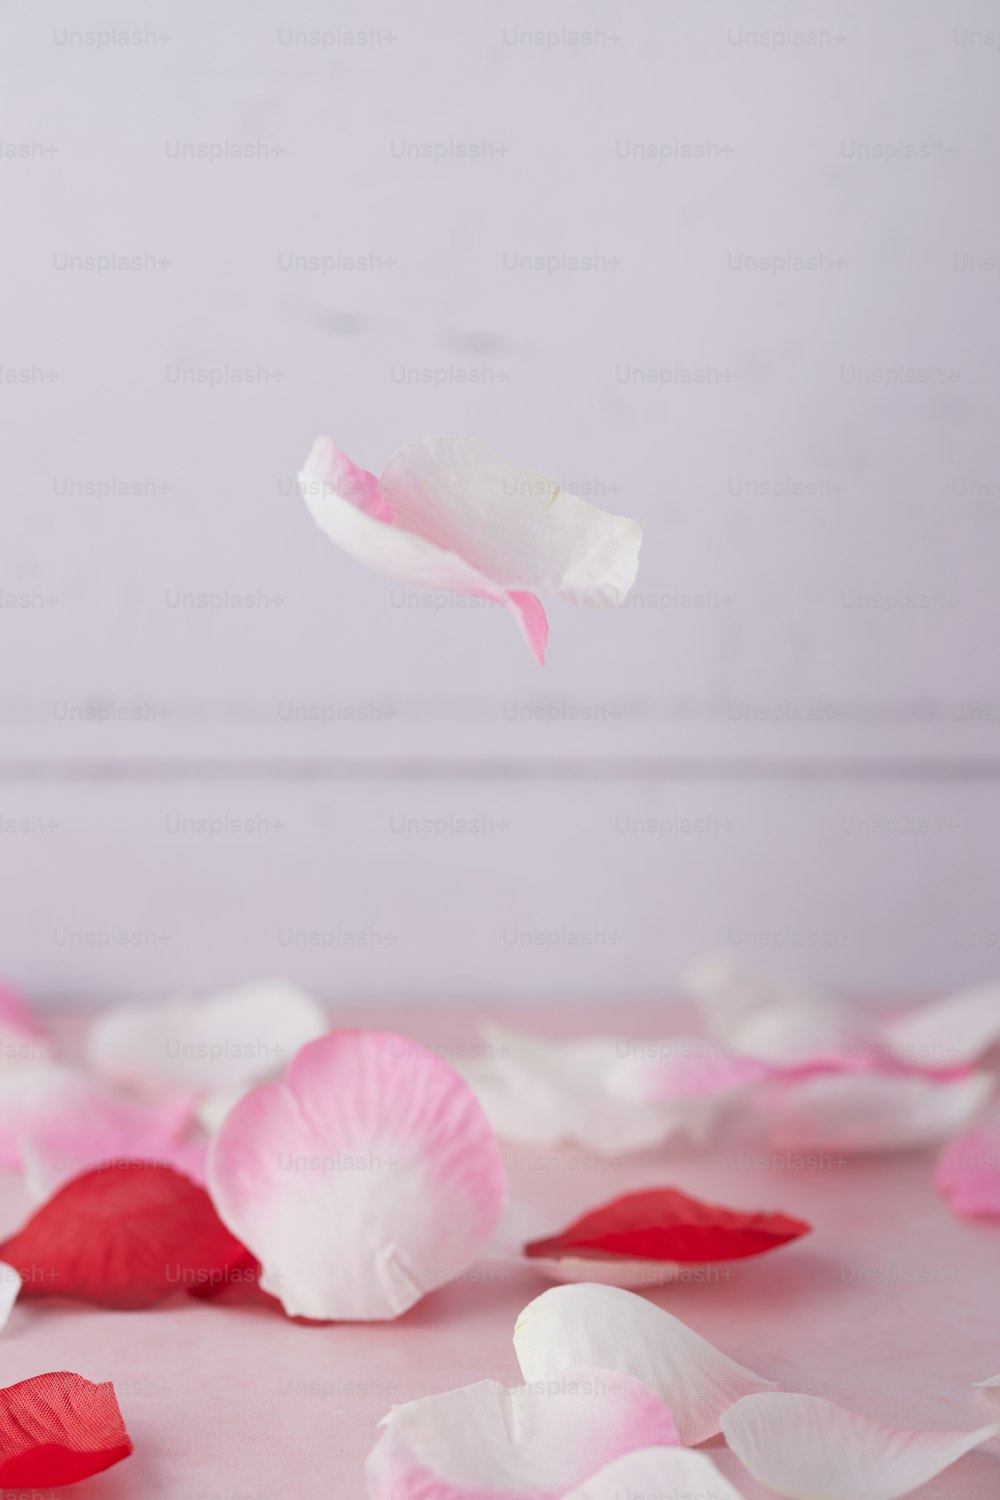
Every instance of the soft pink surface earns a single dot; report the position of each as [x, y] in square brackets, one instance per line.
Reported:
[890, 1308]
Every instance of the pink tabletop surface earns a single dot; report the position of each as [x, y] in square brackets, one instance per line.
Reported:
[891, 1307]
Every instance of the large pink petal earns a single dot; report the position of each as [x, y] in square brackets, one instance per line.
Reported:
[812, 1449]
[534, 1442]
[862, 1112]
[367, 1178]
[968, 1171]
[603, 1326]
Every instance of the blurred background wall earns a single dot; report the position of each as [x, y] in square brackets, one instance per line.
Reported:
[730, 269]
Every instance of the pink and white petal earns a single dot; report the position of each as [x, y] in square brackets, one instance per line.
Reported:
[513, 524]
[538, 1092]
[865, 1112]
[74, 1113]
[366, 1179]
[216, 1041]
[488, 1442]
[811, 1449]
[10, 1287]
[16, 1014]
[48, 1165]
[968, 1171]
[372, 536]
[588, 1325]
[658, 1474]
[776, 1019]
[683, 1068]
[950, 1033]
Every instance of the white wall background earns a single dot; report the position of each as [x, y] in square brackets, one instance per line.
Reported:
[813, 746]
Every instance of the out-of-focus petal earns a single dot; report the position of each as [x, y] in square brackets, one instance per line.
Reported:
[220, 1041]
[864, 1112]
[56, 1429]
[968, 1171]
[950, 1033]
[126, 1235]
[538, 1092]
[366, 1179]
[778, 1020]
[587, 1325]
[812, 1449]
[75, 1115]
[534, 1442]
[48, 1165]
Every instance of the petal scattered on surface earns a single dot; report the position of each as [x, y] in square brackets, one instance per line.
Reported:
[863, 1112]
[77, 1117]
[776, 1019]
[588, 1325]
[56, 1429]
[534, 1442]
[539, 1092]
[126, 1235]
[658, 1474]
[811, 1449]
[216, 1042]
[366, 1179]
[968, 1171]
[47, 1166]
[949, 1033]
[666, 1224]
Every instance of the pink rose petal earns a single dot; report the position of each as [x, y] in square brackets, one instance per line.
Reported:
[968, 1171]
[366, 1179]
[450, 513]
[534, 1442]
[76, 1117]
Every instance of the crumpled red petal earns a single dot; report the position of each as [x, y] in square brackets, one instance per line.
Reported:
[126, 1235]
[58, 1428]
[666, 1224]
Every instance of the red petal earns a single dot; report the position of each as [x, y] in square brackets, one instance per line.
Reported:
[664, 1224]
[58, 1428]
[126, 1234]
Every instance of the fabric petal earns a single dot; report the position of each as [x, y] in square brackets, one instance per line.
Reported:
[968, 1171]
[221, 1041]
[811, 1449]
[684, 1067]
[538, 1092]
[950, 1033]
[47, 1165]
[666, 1224]
[534, 1442]
[658, 1474]
[516, 525]
[366, 1179]
[864, 1112]
[589, 1325]
[56, 1429]
[77, 1116]
[778, 1020]
[126, 1235]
